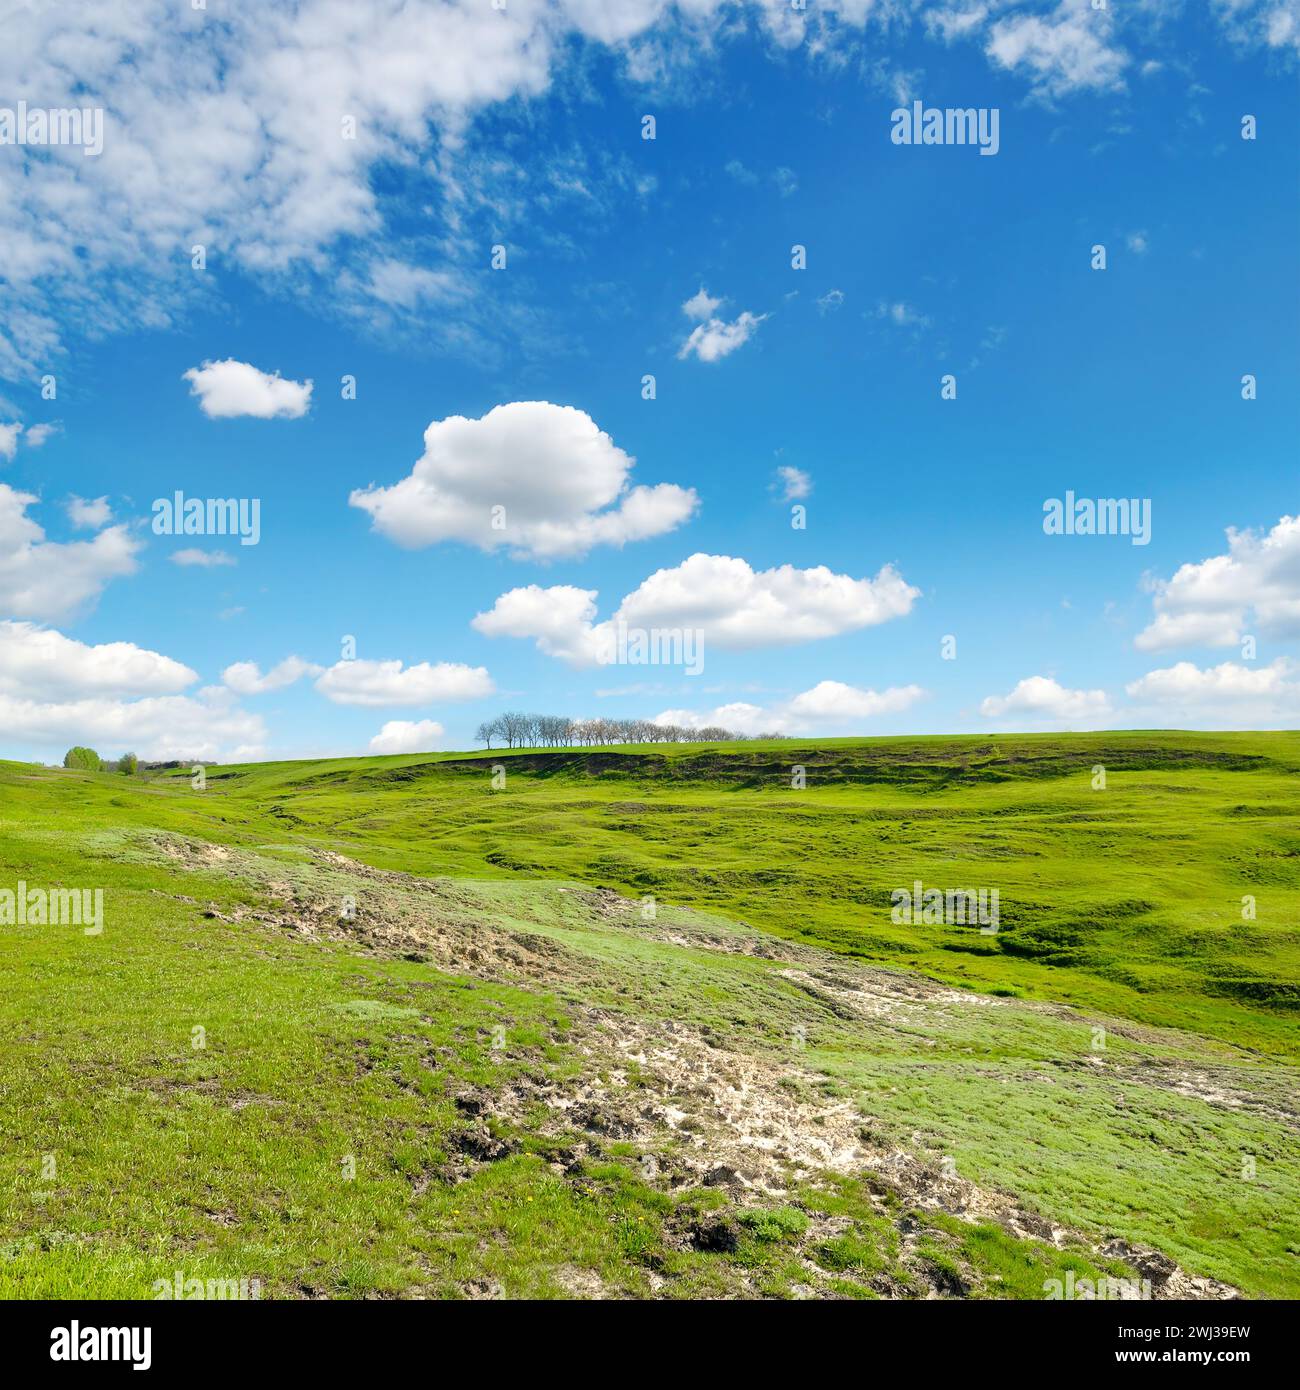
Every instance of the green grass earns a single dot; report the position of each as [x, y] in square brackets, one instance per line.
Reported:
[232, 1158]
[1127, 900]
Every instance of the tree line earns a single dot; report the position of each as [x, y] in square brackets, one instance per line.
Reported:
[89, 761]
[517, 730]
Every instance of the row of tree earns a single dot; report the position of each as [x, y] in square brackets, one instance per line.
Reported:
[89, 761]
[516, 730]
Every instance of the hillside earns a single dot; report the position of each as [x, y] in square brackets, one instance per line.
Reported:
[637, 1022]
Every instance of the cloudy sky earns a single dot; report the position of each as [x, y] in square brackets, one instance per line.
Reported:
[496, 376]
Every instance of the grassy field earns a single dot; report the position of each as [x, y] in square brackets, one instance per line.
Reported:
[638, 1022]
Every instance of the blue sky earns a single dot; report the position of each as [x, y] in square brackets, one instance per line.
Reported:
[523, 129]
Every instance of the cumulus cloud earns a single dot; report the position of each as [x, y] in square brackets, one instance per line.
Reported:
[1228, 694]
[407, 736]
[48, 580]
[835, 701]
[229, 389]
[374, 684]
[44, 664]
[246, 678]
[738, 717]
[202, 559]
[701, 305]
[555, 484]
[9, 435]
[207, 725]
[56, 691]
[1210, 603]
[826, 706]
[715, 339]
[1185, 681]
[36, 435]
[1040, 697]
[733, 605]
[794, 482]
[1066, 51]
[89, 515]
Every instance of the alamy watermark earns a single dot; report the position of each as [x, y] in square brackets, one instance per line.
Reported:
[229, 1290]
[621, 645]
[179, 515]
[1106, 1289]
[41, 125]
[948, 125]
[1099, 516]
[53, 907]
[950, 906]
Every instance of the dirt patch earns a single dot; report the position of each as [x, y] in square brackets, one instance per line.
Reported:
[694, 1112]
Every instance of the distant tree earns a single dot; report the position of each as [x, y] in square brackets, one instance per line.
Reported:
[514, 728]
[552, 730]
[517, 730]
[128, 764]
[84, 758]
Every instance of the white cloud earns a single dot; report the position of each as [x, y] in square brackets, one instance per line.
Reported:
[203, 559]
[399, 285]
[44, 664]
[33, 437]
[407, 736]
[36, 435]
[735, 607]
[1209, 604]
[562, 481]
[902, 315]
[954, 23]
[1261, 23]
[1040, 697]
[830, 301]
[1137, 243]
[377, 683]
[171, 726]
[828, 705]
[716, 339]
[225, 128]
[56, 692]
[739, 717]
[701, 305]
[795, 483]
[561, 619]
[1228, 695]
[46, 579]
[91, 514]
[1066, 52]
[1229, 681]
[229, 389]
[833, 700]
[246, 678]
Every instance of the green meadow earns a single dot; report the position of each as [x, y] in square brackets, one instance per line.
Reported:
[639, 1022]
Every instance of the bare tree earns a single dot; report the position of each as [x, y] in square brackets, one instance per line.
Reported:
[517, 730]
